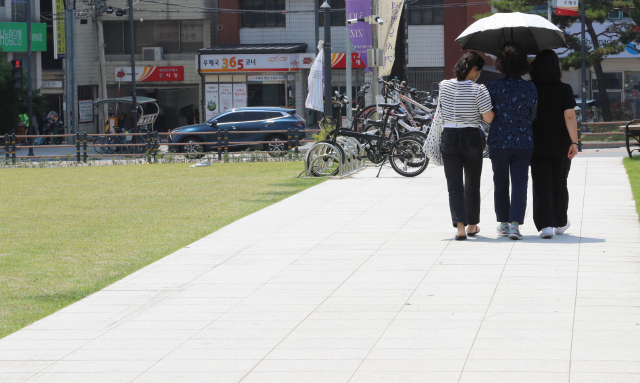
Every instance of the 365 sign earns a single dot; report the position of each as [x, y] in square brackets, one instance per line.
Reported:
[248, 63]
[151, 73]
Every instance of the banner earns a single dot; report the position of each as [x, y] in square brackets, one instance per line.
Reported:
[315, 83]
[239, 95]
[360, 32]
[13, 37]
[151, 73]
[211, 100]
[226, 97]
[567, 8]
[59, 42]
[339, 61]
[389, 11]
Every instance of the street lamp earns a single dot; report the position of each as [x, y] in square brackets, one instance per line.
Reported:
[328, 106]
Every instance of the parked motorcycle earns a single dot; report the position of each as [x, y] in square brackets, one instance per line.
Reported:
[53, 126]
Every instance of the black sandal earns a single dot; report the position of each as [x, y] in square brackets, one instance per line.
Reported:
[476, 233]
[460, 238]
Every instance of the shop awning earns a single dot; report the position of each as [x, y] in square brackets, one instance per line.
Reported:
[255, 49]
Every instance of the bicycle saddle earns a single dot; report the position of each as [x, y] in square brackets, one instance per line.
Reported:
[399, 115]
[389, 105]
[422, 119]
[430, 105]
[413, 90]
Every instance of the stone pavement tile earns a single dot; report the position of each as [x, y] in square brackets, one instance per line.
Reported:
[412, 365]
[99, 366]
[307, 365]
[604, 377]
[511, 377]
[281, 353]
[404, 377]
[211, 365]
[22, 366]
[517, 365]
[425, 354]
[14, 377]
[140, 354]
[83, 377]
[517, 353]
[190, 376]
[605, 366]
[297, 377]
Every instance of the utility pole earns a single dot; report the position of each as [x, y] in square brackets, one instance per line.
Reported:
[374, 60]
[349, 74]
[549, 10]
[134, 112]
[69, 26]
[29, 90]
[103, 74]
[316, 20]
[583, 75]
[328, 106]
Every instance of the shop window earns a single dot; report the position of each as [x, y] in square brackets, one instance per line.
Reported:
[259, 17]
[173, 36]
[426, 12]
[612, 80]
[338, 13]
[19, 12]
[2, 3]
[618, 15]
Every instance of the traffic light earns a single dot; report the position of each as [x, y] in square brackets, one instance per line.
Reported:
[17, 73]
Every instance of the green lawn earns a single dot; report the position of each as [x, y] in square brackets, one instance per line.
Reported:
[68, 232]
[633, 170]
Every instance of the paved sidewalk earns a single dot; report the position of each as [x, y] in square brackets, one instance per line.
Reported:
[366, 285]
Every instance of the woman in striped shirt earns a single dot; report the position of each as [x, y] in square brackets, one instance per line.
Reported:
[463, 105]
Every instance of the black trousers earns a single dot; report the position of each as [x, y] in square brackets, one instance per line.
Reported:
[549, 173]
[510, 167]
[462, 157]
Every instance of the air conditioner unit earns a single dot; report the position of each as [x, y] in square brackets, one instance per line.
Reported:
[152, 54]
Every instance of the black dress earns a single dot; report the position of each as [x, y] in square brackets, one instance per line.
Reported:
[549, 162]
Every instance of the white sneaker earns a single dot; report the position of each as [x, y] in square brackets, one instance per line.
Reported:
[561, 230]
[547, 233]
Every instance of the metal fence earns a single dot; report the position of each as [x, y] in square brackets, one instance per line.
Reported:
[426, 79]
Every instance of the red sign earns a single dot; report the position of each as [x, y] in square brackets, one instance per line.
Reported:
[635, 93]
[339, 61]
[151, 73]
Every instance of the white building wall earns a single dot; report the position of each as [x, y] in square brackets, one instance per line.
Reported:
[86, 54]
[426, 46]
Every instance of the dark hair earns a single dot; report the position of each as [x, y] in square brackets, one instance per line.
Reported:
[467, 62]
[511, 60]
[545, 68]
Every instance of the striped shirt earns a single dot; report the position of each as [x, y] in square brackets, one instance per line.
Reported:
[462, 103]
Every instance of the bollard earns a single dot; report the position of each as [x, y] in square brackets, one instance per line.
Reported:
[289, 140]
[226, 140]
[148, 141]
[13, 148]
[219, 146]
[84, 147]
[155, 145]
[6, 149]
[579, 140]
[78, 147]
[297, 140]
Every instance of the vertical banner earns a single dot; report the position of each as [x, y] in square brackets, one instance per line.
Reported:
[211, 100]
[226, 97]
[315, 83]
[360, 32]
[239, 95]
[59, 48]
[389, 11]
[567, 8]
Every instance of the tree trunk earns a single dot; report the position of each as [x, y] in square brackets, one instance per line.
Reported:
[602, 84]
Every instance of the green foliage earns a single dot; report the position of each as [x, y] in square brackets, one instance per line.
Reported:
[633, 171]
[14, 101]
[326, 126]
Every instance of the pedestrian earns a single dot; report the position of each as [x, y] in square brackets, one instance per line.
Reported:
[463, 105]
[555, 144]
[511, 137]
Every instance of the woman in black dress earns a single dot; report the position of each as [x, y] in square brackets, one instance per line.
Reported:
[555, 137]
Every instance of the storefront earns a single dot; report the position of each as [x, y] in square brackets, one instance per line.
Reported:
[249, 75]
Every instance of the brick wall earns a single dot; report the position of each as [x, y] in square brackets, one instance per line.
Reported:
[456, 20]
[229, 23]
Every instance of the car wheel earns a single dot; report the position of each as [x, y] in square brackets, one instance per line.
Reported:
[277, 145]
[193, 149]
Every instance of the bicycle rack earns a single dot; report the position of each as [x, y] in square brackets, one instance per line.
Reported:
[322, 157]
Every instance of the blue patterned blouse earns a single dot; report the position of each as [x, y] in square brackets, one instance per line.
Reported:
[515, 102]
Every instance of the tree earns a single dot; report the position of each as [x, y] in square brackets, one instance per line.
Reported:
[14, 101]
[612, 40]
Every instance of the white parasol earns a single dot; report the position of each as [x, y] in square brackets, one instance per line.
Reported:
[533, 32]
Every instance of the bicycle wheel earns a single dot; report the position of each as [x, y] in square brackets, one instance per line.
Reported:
[407, 157]
[103, 143]
[368, 113]
[321, 160]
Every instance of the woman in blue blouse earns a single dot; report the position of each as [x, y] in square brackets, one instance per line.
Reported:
[511, 137]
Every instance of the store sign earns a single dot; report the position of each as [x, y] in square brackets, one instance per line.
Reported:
[249, 63]
[211, 99]
[339, 61]
[306, 60]
[635, 93]
[58, 30]
[85, 110]
[271, 77]
[51, 84]
[567, 8]
[151, 73]
[239, 95]
[225, 97]
[13, 37]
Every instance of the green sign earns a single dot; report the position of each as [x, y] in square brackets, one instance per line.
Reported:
[13, 37]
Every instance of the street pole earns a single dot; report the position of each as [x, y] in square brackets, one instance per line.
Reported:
[316, 20]
[549, 10]
[349, 76]
[29, 90]
[328, 106]
[374, 46]
[583, 75]
[134, 112]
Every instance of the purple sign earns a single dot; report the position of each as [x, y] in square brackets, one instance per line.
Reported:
[360, 32]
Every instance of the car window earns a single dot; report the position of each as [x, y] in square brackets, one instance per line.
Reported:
[255, 116]
[271, 115]
[230, 117]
